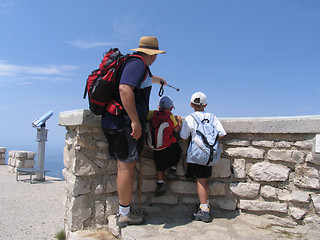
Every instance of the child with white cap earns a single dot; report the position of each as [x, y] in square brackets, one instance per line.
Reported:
[162, 126]
[195, 170]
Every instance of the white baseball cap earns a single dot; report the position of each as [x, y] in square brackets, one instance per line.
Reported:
[199, 98]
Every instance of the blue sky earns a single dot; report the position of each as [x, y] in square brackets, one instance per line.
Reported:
[252, 58]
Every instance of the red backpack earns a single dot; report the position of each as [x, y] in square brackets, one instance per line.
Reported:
[160, 131]
[100, 83]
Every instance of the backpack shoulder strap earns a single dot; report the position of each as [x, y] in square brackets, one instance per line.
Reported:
[196, 118]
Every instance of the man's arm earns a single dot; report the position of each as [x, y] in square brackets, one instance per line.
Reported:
[128, 100]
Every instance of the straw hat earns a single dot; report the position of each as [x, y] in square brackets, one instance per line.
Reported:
[148, 45]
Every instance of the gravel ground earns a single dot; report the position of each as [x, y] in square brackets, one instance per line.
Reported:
[30, 211]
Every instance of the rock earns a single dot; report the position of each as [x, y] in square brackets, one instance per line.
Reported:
[245, 152]
[306, 177]
[239, 168]
[290, 156]
[260, 206]
[269, 172]
[245, 190]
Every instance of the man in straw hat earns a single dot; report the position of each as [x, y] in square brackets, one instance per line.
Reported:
[124, 132]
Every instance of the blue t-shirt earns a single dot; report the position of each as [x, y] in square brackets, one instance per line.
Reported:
[133, 74]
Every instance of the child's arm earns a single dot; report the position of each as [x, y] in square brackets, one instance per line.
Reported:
[179, 121]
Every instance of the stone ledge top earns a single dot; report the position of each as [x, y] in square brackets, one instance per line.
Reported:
[294, 124]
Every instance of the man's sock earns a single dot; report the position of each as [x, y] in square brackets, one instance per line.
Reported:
[204, 207]
[124, 210]
[160, 181]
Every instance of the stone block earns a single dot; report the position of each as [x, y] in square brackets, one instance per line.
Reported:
[245, 152]
[221, 169]
[226, 203]
[21, 154]
[239, 168]
[263, 143]
[297, 213]
[3, 150]
[306, 177]
[31, 155]
[2, 161]
[236, 142]
[166, 199]
[293, 196]
[260, 206]
[313, 158]
[217, 189]
[79, 211]
[83, 166]
[99, 213]
[3, 155]
[148, 167]
[113, 227]
[190, 200]
[112, 205]
[306, 144]
[268, 192]
[245, 190]
[183, 187]
[283, 144]
[29, 163]
[316, 202]
[111, 184]
[269, 172]
[290, 156]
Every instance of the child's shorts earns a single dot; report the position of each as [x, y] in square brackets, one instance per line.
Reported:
[198, 171]
[167, 157]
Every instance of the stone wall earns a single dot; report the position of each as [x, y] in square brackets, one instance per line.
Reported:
[3, 155]
[20, 159]
[269, 165]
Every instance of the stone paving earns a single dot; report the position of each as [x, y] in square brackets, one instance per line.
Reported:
[226, 225]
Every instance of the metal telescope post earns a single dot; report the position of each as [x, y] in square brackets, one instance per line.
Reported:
[42, 134]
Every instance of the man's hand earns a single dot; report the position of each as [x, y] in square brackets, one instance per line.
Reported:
[159, 80]
[136, 130]
[129, 104]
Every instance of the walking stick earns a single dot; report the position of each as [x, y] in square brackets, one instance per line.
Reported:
[140, 180]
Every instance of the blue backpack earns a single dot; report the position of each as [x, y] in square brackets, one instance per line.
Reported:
[204, 148]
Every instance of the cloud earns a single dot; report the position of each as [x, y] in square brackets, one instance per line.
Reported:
[86, 44]
[5, 6]
[29, 74]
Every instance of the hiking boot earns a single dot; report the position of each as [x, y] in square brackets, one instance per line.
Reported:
[131, 219]
[161, 190]
[202, 216]
[172, 174]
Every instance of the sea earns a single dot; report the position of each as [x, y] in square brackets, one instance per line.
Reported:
[54, 163]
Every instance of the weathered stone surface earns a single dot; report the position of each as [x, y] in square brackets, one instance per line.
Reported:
[246, 152]
[263, 143]
[283, 144]
[112, 205]
[306, 177]
[99, 189]
[239, 168]
[245, 190]
[166, 199]
[183, 187]
[113, 227]
[236, 142]
[291, 156]
[84, 166]
[226, 204]
[190, 200]
[111, 184]
[221, 169]
[269, 172]
[313, 158]
[307, 144]
[297, 213]
[260, 206]
[99, 213]
[148, 167]
[268, 192]
[3, 149]
[217, 189]
[295, 196]
[79, 212]
[316, 202]
[76, 186]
